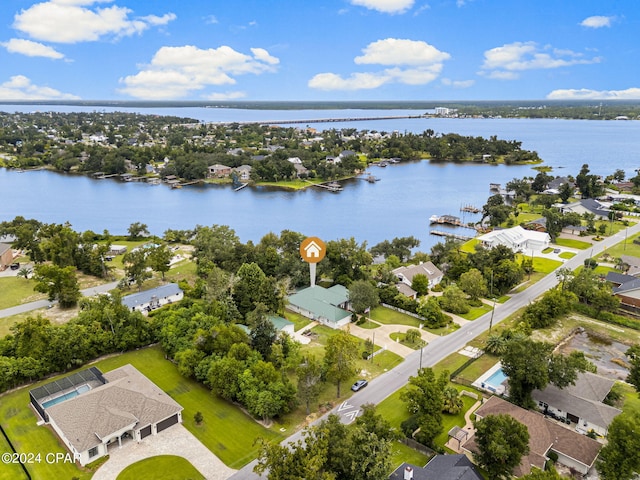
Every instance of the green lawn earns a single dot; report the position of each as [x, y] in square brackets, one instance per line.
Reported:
[10, 471]
[400, 337]
[16, 291]
[299, 322]
[368, 324]
[545, 265]
[391, 317]
[220, 417]
[572, 243]
[567, 255]
[469, 246]
[476, 312]
[626, 247]
[161, 467]
[400, 453]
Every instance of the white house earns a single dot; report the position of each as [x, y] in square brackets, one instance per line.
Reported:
[126, 408]
[517, 239]
[326, 305]
[580, 405]
[154, 298]
[406, 274]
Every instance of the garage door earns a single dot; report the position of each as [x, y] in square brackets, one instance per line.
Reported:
[167, 422]
[145, 432]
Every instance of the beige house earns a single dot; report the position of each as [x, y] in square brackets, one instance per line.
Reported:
[219, 171]
[93, 418]
[574, 450]
[6, 256]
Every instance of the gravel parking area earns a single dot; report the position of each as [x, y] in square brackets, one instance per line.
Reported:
[176, 440]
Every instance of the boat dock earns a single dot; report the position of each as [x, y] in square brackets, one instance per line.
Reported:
[240, 187]
[446, 220]
[331, 186]
[469, 209]
[441, 233]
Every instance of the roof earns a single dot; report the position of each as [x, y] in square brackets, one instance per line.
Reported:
[128, 399]
[633, 262]
[618, 278]
[514, 236]
[627, 286]
[4, 247]
[279, 322]
[441, 467]
[405, 289]
[322, 302]
[426, 268]
[543, 436]
[141, 298]
[594, 206]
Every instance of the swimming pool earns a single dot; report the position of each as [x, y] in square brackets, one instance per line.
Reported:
[66, 396]
[496, 379]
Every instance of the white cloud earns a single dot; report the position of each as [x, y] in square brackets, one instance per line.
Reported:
[504, 62]
[396, 51]
[458, 83]
[385, 6]
[356, 81]
[175, 72]
[597, 21]
[211, 19]
[20, 87]
[411, 62]
[69, 21]
[31, 49]
[587, 94]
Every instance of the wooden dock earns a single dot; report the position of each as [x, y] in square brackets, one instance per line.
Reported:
[469, 209]
[446, 220]
[331, 186]
[240, 187]
[457, 236]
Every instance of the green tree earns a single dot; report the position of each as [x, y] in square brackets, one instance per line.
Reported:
[135, 266]
[309, 375]
[537, 474]
[452, 403]
[473, 284]
[454, 300]
[413, 335]
[429, 308]
[420, 283]
[59, 283]
[362, 296]
[158, 258]
[633, 353]
[424, 399]
[501, 441]
[619, 459]
[137, 231]
[263, 332]
[341, 353]
[532, 365]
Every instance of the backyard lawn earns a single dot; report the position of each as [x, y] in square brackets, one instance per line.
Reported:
[391, 317]
[219, 416]
[161, 467]
[16, 291]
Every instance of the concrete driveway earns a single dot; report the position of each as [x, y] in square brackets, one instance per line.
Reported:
[383, 339]
[176, 440]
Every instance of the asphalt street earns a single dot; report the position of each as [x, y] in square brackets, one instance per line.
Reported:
[391, 381]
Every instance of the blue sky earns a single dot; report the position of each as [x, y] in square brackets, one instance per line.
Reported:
[326, 50]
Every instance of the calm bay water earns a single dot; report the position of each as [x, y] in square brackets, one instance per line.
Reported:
[399, 204]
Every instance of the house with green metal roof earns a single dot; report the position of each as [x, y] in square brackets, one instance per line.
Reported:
[325, 305]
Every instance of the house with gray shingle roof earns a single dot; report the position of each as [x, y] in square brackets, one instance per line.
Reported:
[580, 404]
[576, 451]
[428, 269]
[326, 305]
[127, 406]
[440, 467]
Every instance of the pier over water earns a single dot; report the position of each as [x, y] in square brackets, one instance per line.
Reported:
[320, 120]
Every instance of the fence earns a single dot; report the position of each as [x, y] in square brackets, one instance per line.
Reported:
[406, 312]
[410, 442]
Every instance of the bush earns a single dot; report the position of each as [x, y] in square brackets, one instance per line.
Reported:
[409, 426]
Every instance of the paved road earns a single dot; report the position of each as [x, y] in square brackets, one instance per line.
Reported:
[386, 384]
[27, 307]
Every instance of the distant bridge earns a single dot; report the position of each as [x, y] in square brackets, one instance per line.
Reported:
[319, 120]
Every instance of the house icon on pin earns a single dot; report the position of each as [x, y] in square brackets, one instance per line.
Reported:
[312, 250]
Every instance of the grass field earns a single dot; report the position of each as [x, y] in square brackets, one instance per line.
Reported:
[391, 317]
[572, 243]
[626, 247]
[299, 322]
[219, 416]
[401, 337]
[16, 291]
[545, 265]
[476, 312]
[400, 453]
[567, 255]
[161, 467]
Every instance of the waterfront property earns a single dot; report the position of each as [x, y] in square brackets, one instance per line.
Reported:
[428, 269]
[517, 239]
[576, 451]
[580, 405]
[326, 305]
[105, 410]
[154, 298]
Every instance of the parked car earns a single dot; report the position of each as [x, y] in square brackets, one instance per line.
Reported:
[15, 266]
[556, 250]
[359, 385]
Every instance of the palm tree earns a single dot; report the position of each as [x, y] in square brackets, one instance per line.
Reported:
[495, 344]
[24, 272]
[452, 403]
